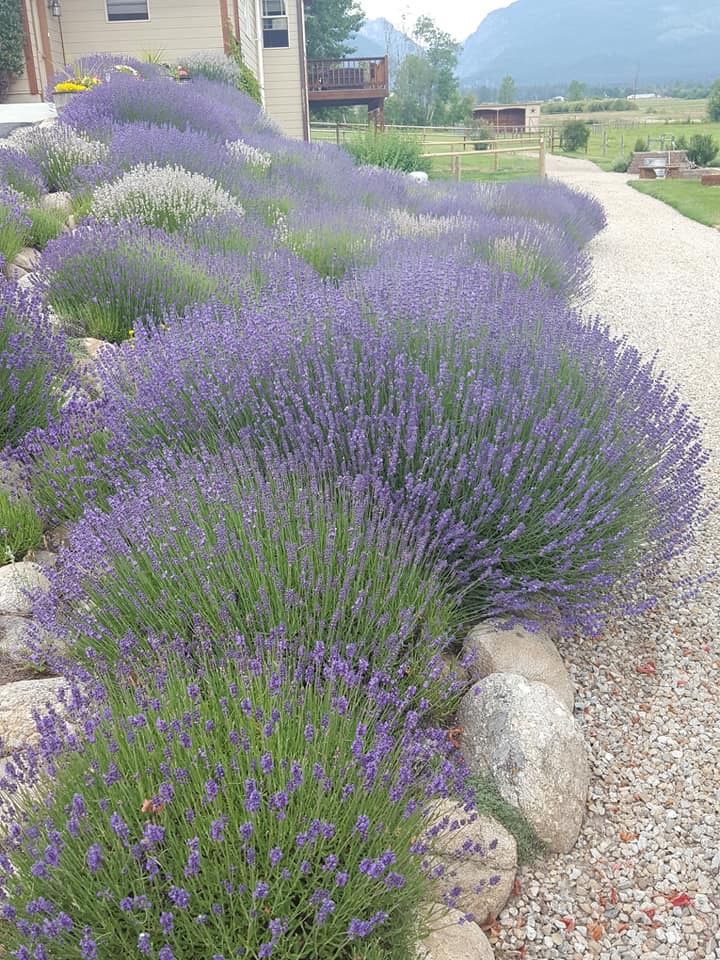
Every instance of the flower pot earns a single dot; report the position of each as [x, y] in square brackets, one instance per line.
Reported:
[61, 100]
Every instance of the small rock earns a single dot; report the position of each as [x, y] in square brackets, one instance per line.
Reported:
[485, 875]
[27, 259]
[91, 346]
[533, 655]
[520, 733]
[14, 633]
[62, 202]
[18, 581]
[452, 938]
[18, 702]
[13, 272]
[419, 176]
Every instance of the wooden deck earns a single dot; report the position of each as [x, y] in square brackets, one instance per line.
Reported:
[348, 83]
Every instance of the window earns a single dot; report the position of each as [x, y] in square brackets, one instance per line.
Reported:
[275, 24]
[127, 10]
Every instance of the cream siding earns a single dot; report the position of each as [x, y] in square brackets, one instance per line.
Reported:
[174, 27]
[284, 90]
[249, 34]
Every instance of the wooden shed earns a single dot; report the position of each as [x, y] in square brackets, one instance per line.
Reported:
[509, 116]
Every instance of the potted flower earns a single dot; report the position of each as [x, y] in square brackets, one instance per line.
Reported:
[66, 89]
[180, 73]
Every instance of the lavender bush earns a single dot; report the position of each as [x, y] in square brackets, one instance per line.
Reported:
[166, 197]
[208, 549]
[20, 527]
[14, 224]
[275, 802]
[20, 173]
[34, 366]
[549, 460]
[58, 151]
[103, 279]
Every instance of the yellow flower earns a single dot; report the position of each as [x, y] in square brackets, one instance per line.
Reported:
[131, 333]
[69, 86]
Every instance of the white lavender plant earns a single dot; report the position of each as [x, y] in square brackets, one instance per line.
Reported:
[166, 197]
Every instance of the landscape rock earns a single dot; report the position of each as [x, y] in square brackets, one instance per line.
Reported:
[91, 346]
[18, 701]
[14, 633]
[62, 202]
[486, 876]
[519, 733]
[18, 581]
[12, 477]
[27, 259]
[13, 272]
[451, 938]
[533, 655]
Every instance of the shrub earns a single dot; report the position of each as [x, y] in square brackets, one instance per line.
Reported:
[391, 149]
[702, 149]
[549, 460]
[11, 43]
[681, 142]
[45, 225]
[20, 173]
[574, 136]
[621, 164]
[484, 132]
[20, 527]
[34, 366]
[103, 279]
[14, 224]
[208, 550]
[58, 151]
[167, 197]
[641, 145]
[272, 801]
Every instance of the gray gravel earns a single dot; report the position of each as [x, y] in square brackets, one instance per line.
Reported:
[653, 825]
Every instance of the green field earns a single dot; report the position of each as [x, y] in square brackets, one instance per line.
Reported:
[475, 165]
[688, 196]
[608, 142]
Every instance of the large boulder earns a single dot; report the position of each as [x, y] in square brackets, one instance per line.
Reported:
[27, 259]
[453, 938]
[18, 582]
[517, 650]
[18, 702]
[60, 202]
[479, 856]
[520, 733]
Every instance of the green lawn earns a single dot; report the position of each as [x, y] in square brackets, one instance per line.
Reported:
[688, 196]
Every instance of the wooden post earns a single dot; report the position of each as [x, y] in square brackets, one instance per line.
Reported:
[542, 156]
[495, 156]
[459, 168]
[337, 133]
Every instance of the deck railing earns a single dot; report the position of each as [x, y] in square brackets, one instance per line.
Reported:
[354, 73]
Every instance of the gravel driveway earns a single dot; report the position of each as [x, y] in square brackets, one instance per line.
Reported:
[644, 878]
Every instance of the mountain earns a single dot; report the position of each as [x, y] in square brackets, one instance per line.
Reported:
[379, 37]
[596, 41]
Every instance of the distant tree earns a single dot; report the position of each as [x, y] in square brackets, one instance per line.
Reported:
[507, 90]
[714, 101]
[328, 25]
[426, 90]
[576, 90]
[574, 136]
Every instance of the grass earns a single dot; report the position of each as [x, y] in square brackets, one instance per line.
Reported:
[689, 197]
[608, 142]
[490, 802]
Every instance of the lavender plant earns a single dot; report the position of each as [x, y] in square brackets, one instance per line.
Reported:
[35, 366]
[14, 224]
[549, 460]
[166, 197]
[276, 802]
[58, 151]
[208, 549]
[20, 173]
[45, 225]
[102, 279]
[20, 527]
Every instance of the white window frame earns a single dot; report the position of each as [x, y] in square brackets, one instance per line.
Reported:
[279, 22]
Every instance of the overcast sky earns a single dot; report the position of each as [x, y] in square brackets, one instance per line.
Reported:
[458, 17]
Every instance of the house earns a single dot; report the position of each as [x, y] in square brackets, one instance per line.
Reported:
[509, 116]
[271, 34]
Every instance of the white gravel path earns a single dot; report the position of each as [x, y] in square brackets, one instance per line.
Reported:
[653, 825]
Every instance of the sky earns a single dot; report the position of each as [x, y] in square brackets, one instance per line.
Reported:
[458, 17]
